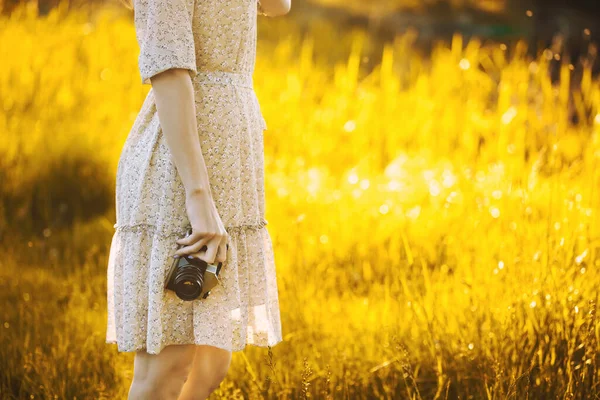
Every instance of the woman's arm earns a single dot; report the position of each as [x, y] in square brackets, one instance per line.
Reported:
[176, 108]
[275, 8]
[167, 61]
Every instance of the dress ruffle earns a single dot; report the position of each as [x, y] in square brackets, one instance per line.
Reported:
[242, 310]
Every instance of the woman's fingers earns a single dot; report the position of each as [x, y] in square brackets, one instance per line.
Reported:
[193, 248]
[207, 247]
[204, 254]
[222, 251]
[211, 252]
[194, 237]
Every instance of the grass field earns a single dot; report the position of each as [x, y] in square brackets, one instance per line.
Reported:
[435, 220]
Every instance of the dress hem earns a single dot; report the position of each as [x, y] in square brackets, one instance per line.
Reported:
[196, 342]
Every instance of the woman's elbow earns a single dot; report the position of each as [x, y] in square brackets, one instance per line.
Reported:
[278, 8]
[286, 6]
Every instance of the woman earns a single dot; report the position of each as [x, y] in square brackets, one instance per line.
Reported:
[193, 158]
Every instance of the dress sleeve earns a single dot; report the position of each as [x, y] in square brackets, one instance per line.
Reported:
[164, 34]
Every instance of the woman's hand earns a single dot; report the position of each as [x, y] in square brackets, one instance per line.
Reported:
[209, 238]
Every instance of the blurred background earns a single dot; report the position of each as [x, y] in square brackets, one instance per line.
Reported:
[535, 20]
[433, 190]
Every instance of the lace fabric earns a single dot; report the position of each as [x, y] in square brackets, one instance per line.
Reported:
[216, 42]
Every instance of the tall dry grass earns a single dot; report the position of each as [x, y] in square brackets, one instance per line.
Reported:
[435, 220]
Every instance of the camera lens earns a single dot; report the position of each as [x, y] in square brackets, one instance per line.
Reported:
[188, 281]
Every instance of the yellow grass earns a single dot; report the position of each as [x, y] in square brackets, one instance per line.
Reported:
[435, 220]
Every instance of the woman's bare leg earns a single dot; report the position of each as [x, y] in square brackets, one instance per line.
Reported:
[209, 368]
[161, 376]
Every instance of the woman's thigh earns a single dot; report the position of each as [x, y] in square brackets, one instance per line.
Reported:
[210, 364]
[169, 367]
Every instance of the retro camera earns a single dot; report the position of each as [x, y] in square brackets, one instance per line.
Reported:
[191, 278]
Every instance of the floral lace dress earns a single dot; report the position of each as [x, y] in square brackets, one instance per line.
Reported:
[215, 41]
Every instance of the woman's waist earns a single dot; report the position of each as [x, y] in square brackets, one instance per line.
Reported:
[226, 78]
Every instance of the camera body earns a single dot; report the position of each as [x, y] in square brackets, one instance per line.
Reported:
[191, 278]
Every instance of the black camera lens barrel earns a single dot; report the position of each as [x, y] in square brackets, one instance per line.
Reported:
[188, 281]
